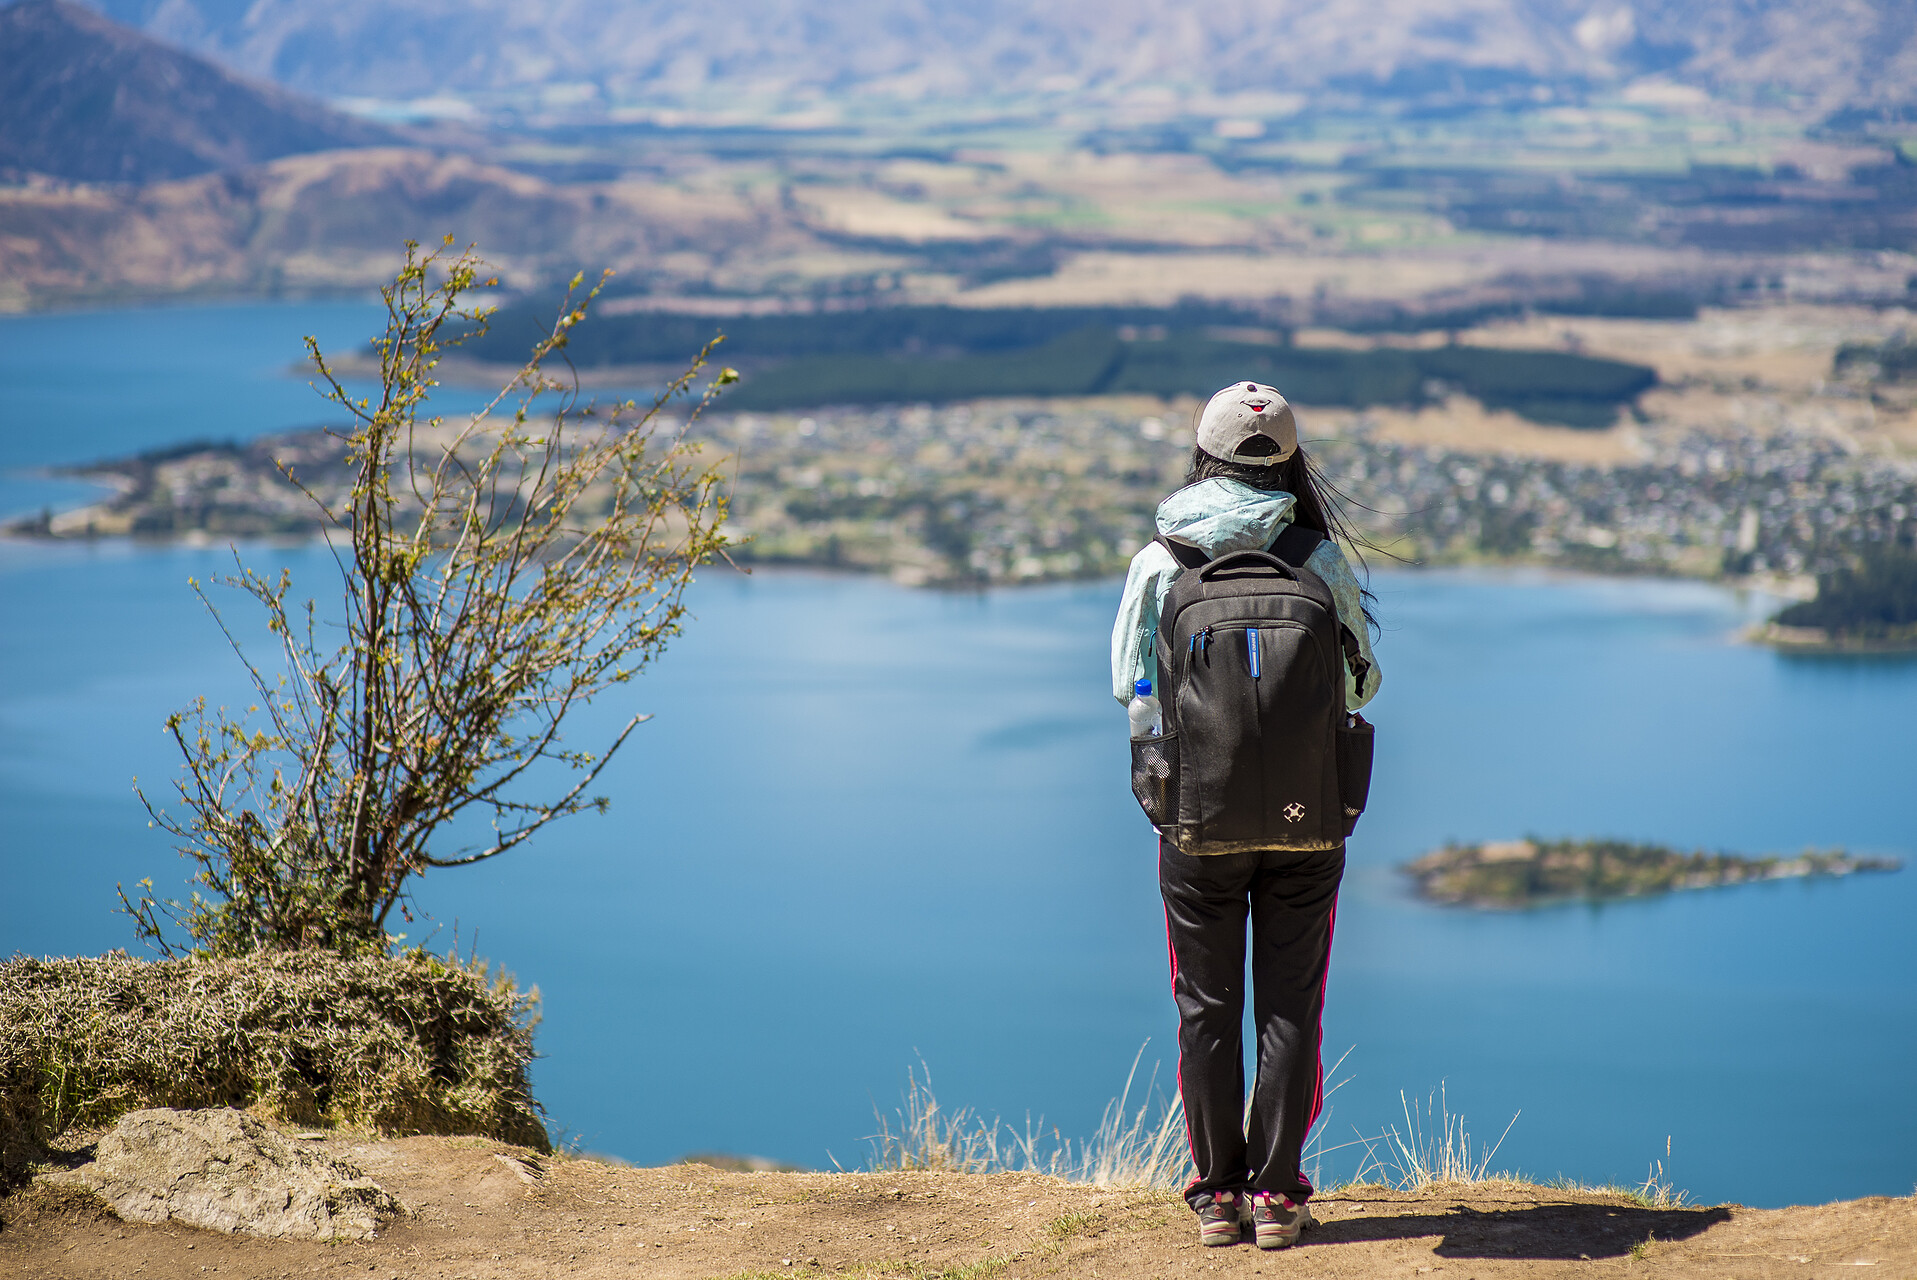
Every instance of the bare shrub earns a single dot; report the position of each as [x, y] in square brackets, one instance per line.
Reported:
[497, 573]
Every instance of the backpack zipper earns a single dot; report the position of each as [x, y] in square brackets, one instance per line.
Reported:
[1201, 639]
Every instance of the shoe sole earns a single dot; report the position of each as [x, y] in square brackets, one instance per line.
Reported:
[1222, 1234]
[1276, 1237]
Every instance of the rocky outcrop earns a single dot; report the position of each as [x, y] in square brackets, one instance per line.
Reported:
[225, 1171]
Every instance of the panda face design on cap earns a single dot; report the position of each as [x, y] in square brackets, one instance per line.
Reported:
[1248, 422]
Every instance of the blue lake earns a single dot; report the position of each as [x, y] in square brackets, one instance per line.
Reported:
[871, 826]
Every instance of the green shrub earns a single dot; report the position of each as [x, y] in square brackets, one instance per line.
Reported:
[403, 1044]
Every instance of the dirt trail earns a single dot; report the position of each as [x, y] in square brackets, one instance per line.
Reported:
[484, 1210]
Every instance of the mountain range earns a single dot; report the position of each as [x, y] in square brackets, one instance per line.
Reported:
[133, 168]
[86, 99]
[1822, 54]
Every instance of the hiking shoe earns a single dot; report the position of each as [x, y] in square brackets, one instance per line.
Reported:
[1221, 1218]
[1276, 1221]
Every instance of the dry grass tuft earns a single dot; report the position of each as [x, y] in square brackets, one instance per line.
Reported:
[1144, 1148]
[405, 1044]
[1657, 1190]
[1434, 1147]
[1133, 1147]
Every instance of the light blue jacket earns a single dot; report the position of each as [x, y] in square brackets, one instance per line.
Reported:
[1216, 516]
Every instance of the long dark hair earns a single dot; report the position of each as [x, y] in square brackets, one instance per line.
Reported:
[1298, 476]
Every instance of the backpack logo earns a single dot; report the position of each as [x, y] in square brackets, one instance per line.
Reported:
[1294, 811]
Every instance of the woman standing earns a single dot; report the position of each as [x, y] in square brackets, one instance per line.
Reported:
[1248, 847]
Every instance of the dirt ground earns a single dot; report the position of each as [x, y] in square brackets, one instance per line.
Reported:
[484, 1210]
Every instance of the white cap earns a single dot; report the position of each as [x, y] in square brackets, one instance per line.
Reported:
[1248, 422]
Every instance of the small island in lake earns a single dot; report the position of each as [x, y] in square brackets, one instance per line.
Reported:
[1525, 873]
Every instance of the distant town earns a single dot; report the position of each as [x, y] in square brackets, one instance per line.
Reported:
[994, 492]
[997, 493]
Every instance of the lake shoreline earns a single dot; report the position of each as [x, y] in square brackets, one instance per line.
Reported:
[1818, 641]
[114, 515]
[1539, 573]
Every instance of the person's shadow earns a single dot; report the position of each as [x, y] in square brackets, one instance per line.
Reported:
[1565, 1231]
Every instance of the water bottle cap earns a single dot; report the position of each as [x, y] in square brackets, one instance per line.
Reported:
[1143, 688]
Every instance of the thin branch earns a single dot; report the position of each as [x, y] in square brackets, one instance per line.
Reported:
[496, 573]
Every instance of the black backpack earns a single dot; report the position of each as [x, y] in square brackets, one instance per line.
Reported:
[1257, 751]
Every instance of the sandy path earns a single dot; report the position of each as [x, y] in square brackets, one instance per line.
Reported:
[479, 1209]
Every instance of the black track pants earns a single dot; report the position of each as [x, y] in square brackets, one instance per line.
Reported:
[1291, 901]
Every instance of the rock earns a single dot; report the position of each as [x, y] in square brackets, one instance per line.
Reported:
[225, 1171]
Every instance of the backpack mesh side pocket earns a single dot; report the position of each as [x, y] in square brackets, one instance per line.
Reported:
[1155, 778]
[1354, 767]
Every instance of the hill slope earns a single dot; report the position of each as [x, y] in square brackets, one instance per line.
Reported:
[87, 99]
[335, 220]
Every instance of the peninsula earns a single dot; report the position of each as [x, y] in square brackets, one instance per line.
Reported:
[1508, 874]
[1869, 607]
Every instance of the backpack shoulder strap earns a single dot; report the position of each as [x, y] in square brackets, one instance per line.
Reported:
[1295, 543]
[1184, 553]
